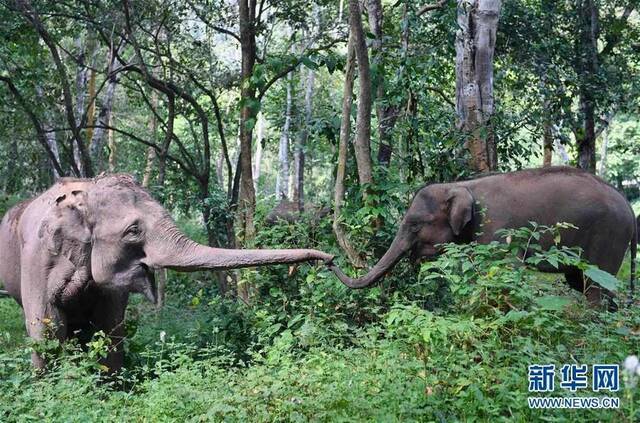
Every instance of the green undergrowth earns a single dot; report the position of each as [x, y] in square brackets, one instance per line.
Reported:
[449, 342]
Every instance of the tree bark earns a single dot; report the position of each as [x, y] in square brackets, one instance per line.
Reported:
[475, 43]
[602, 169]
[343, 148]
[362, 146]
[248, 112]
[50, 136]
[282, 179]
[587, 63]
[385, 112]
[259, 147]
[92, 106]
[112, 146]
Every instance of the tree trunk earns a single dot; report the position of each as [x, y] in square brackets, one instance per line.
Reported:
[343, 148]
[475, 43]
[97, 139]
[248, 111]
[151, 152]
[92, 106]
[112, 146]
[81, 94]
[301, 145]
[362, 146]
[282, 179]
[587, 63]
[547, 141]
[50, 137]
[259, 146]
[384, 111]
[602, 169]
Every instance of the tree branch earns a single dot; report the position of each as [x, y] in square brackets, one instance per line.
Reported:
[32, 17]
[40, 133]
[284, 72]
[615, 39]
[442, 94]
[433, 6]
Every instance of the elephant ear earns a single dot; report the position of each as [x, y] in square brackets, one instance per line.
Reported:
[460, 208]
[50, 232]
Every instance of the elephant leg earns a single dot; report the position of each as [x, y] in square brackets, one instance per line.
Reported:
[35, 324]
[34, 303]
[595, 294]
[575, 279]
[108, 316]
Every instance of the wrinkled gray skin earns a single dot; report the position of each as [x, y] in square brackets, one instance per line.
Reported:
[72, 256]
[443, 213]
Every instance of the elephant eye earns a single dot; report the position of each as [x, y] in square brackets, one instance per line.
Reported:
[132, 233]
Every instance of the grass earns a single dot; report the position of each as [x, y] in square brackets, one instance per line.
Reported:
[308, 349]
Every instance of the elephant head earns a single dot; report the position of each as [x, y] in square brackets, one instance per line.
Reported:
[132, 235]
[438, 214]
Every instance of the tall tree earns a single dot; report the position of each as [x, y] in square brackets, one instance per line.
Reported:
[248, 111]
[282, 179]
[362, 140]
[341, 168]
[587, 68]
[301, 144]
[475, 44]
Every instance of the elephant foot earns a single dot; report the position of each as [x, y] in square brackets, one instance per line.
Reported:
[601, 299]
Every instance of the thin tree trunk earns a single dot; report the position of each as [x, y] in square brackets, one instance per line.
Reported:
[362, 146]
[259, 146]
[81, 93]
[475, 43]
[92, 107]
[112, 146]
[343, 148]
[50, 137]
[282, 179]
[301, 145]
[587, 63]
[384, 112]
[151, 152]
[603, 153]
[96, 145]
[547, 141]
[558, 147]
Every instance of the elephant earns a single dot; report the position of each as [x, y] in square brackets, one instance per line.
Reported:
[288, 212]
[72, 256]
[473, 210]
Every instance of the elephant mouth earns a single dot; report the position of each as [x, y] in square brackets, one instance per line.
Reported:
[147, 285]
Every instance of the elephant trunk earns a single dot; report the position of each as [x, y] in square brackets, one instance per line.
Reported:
[393, 255]
[170, 248]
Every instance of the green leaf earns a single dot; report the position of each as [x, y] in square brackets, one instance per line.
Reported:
[552, 302]
[602, 278]
[308, 62]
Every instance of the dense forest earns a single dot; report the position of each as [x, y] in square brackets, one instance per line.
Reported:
[312, 124]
